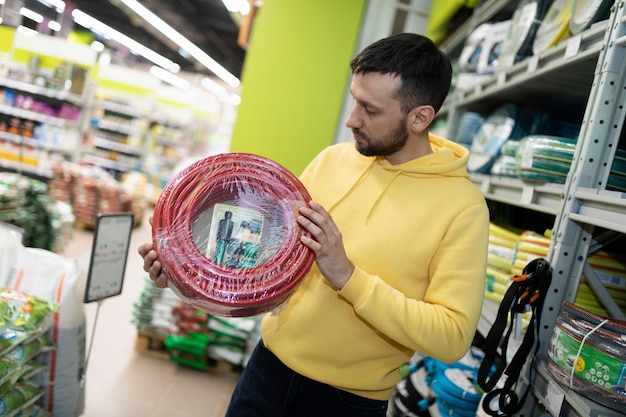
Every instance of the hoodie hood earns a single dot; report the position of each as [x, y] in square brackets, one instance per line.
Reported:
[448, 159]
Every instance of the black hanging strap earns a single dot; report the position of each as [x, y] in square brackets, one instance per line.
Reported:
[527, 291]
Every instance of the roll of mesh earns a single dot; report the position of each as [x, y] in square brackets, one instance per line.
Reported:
[226, 234]
[587, 12]
[496, 129]
[554, 27]
[525, 22]
[507, 122]
[505, 166]
[545, 158]
[587, 353]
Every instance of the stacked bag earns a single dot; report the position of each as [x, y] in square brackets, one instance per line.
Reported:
[546, 158]
[25, 203]
[510, 251]
[24, 321]
[195, 338]
[90, 190]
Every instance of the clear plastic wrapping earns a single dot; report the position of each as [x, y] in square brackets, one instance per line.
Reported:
[226, 234]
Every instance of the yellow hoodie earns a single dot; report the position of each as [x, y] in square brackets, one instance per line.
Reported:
[417, 234]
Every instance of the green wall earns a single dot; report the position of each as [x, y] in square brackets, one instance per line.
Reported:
[295, 77]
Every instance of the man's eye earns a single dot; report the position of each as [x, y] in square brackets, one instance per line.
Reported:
[368, 111]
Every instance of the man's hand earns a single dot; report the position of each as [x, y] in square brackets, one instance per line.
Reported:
[327, 244]
[151, 265]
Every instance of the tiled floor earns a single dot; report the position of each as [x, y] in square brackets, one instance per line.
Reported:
[123, 383]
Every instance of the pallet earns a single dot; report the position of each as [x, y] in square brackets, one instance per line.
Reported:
[152, 344]
[84, 225]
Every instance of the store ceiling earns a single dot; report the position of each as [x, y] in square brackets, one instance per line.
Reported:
[206, 23]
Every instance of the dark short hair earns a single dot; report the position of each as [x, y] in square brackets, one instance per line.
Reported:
[424, 70]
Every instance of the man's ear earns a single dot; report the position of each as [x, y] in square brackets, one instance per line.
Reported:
[420, 118]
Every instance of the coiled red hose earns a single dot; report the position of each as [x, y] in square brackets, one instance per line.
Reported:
[242, 180]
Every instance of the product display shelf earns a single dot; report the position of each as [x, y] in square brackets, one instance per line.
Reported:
[29, 137]
[586, 205]
[44, 90]
[10, 410]
[559, 78]
[545, 198]
[564, 402]
[117, 137]
[63, 95]
[582, 78]
[484, 11]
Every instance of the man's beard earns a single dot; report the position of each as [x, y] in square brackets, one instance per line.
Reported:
[389, 144]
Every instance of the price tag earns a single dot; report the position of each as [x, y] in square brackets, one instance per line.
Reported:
[554, 398]
[573, 46]
[533, 63]
[528, 194]
[108, 256]
[501, 78]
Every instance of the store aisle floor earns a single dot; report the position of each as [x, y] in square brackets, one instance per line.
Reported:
[123, 383]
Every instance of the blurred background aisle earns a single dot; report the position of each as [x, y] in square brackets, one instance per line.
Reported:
[122, 382]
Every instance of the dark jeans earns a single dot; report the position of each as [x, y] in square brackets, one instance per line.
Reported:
[268, 388]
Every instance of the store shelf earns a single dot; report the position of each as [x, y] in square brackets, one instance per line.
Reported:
[580, 81]
[29, 142]
[558, 79]
[107, 163]
[26, 169]
[545, 198]
[116, 146]
[483, 13]
[41, 91]
[121, 109]
[37, 117]
[606, 209]
[117, 127]
[564, 402]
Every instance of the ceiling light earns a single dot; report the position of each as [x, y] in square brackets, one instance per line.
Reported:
[97, 46]
[214, 88]
[54, 25]
[34, 16]
[237, 6]
[95, 25]
[27, 31]
[57, 4]
[169, 78]
[183, 42]
[220, 91]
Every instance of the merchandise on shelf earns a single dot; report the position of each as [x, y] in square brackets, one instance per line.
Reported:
[25, 203]
[43, 91]
[569, 77]
[90, 191]
[587, 353]
[193, 337]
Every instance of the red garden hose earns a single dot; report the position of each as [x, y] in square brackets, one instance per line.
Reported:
[244, 181]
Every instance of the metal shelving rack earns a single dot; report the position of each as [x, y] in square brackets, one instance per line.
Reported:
[588, 71]
[587, 205]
